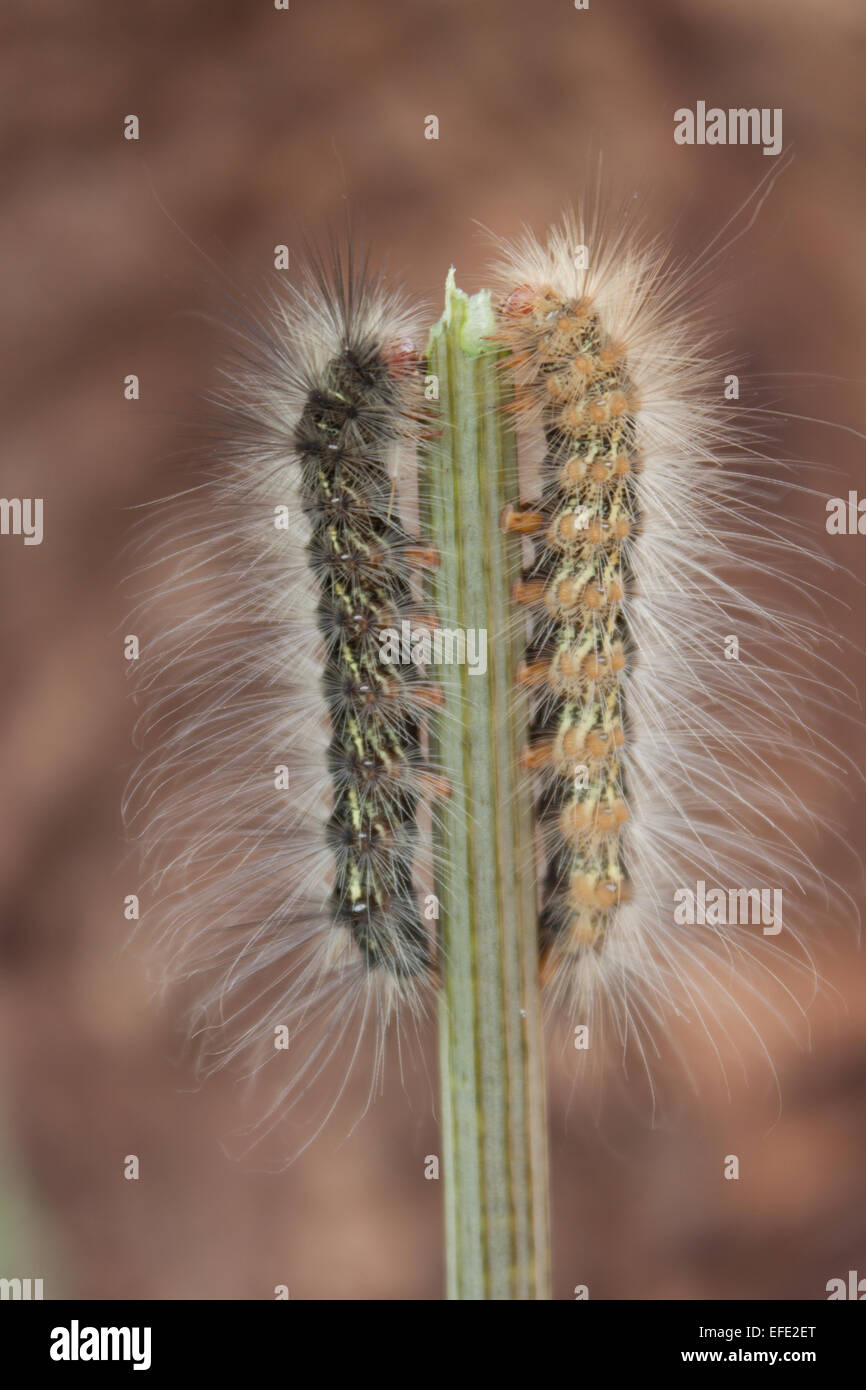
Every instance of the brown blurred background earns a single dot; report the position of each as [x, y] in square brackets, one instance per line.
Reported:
[255, 125]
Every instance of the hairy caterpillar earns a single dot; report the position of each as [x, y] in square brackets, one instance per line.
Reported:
[279, 793]
[578, 648]
[659, 762]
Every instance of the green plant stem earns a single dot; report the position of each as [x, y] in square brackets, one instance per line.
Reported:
[491, 1058]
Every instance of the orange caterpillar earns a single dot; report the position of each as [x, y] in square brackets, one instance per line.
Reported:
[655, 535]
[576, 592]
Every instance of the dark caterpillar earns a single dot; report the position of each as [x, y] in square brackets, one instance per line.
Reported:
[360, 553]
[278, 795]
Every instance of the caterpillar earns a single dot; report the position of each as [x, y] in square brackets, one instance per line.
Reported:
[654, 538]
[284, 796]
[580, 639]
[278, 795]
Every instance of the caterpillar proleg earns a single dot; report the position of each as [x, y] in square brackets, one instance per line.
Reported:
[279, 791]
